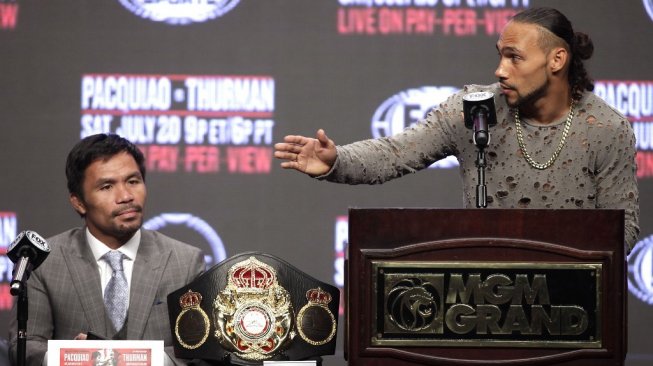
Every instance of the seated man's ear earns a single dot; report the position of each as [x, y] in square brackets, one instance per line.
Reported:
[78, 204]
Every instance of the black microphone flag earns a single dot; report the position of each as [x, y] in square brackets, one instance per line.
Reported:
[27, 251]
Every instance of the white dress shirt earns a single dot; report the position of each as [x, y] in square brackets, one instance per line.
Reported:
[129, 249]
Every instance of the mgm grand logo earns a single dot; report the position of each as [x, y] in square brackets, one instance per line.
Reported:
[487, 304]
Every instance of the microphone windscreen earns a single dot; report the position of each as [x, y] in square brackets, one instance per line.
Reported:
[30, 244]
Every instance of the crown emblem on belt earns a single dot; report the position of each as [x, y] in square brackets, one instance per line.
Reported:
[190, 299]
[319, 296]
[252, 275]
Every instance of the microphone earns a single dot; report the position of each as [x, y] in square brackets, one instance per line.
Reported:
[480, 115]
[27, 251]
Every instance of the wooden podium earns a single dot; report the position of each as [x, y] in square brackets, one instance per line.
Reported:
[485, 287]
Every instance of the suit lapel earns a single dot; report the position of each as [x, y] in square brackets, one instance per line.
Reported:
[86, 280]
[146, 275]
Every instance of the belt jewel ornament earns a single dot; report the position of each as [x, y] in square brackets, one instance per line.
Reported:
[253, 315]
[192, 324]
[315, 322]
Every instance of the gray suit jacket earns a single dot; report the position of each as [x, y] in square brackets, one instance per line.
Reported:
[65, 295]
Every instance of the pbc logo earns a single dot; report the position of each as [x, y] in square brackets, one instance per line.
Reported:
[196, 224]
[648, 4]
[179, 12]
[640, 271]
[407, 108]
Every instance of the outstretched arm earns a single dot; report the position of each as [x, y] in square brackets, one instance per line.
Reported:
[313, 156]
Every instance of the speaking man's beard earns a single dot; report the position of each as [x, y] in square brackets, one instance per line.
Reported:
[530, 98]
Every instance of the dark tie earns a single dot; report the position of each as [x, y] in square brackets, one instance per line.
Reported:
[115, 294]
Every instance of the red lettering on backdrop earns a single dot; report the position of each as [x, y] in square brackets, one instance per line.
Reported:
[357, 21]
[644, 160]
[160, 158]
[8, 16]
[421, 21]
[206, 159]
[496, 20]
[263, 159]
[249, 159]
[202, 159]
[460, 22]
[391, 21]
[6, 300]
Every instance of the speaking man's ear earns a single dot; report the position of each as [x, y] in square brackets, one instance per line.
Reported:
[558, 59]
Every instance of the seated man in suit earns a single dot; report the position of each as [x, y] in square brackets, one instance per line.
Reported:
[110, 277]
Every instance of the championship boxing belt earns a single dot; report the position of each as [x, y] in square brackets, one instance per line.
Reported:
[251, 308]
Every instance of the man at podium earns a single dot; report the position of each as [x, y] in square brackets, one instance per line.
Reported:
[556, 144]
[110, 277]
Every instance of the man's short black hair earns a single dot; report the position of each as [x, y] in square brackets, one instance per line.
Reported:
[92, 148]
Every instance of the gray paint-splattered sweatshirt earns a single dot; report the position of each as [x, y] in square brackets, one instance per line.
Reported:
[595, 169]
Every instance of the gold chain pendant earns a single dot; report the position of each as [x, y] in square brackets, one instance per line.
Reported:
[522, 146]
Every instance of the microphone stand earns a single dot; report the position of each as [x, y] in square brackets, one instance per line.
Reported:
[481, 140]
[19, 289]
[481, 188]
[21, 316]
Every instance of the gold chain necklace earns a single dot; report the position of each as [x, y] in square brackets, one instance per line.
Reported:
[522, 146]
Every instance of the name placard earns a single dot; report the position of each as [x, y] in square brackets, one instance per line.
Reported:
[105, 353]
